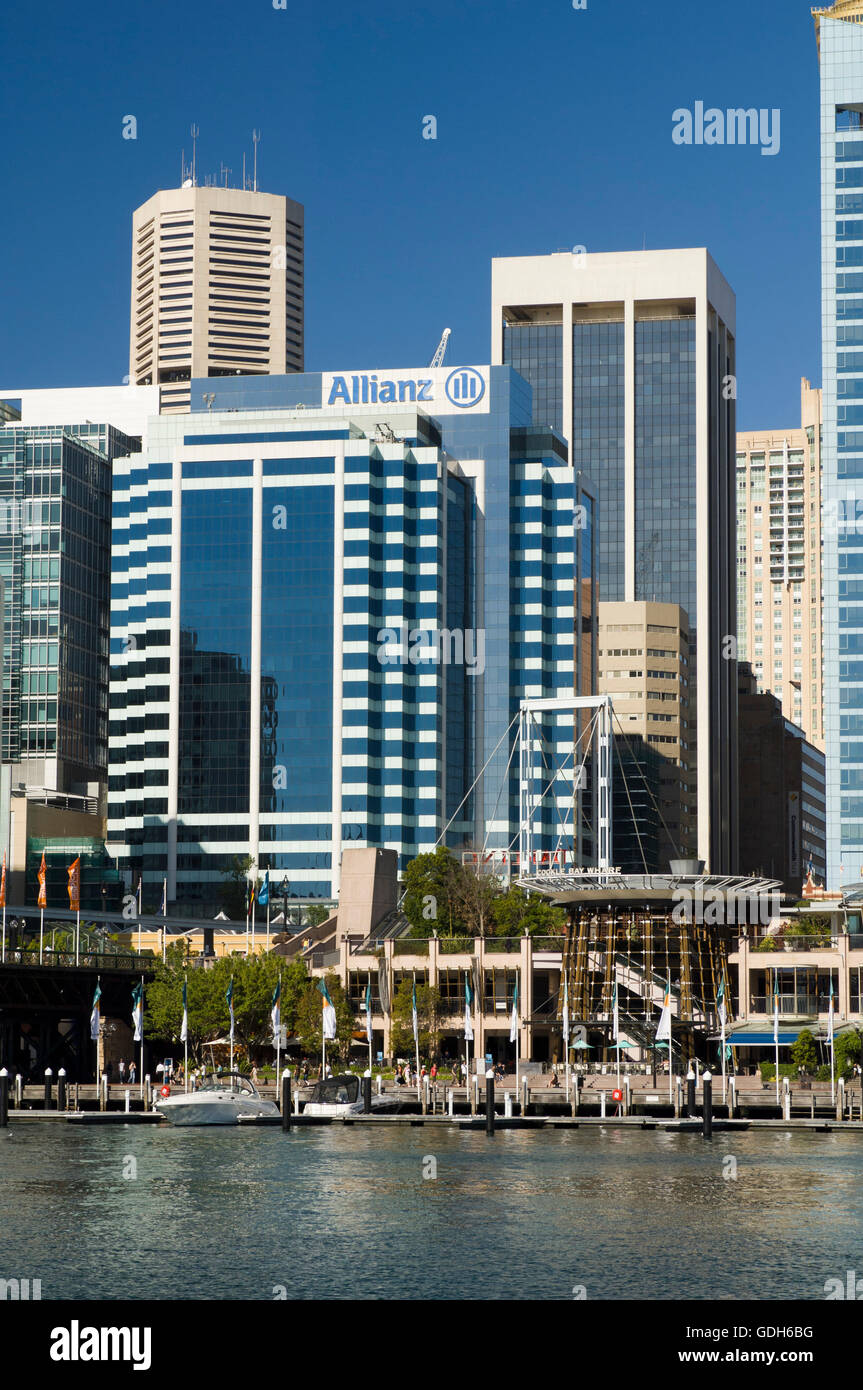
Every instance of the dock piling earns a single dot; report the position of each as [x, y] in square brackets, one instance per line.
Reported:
[691, 1108]
[489, 1102]
[286, 1098]
[61, 1089]
[707, 1093]
[786, 1098]
[47, 1092]
[4, 1098]
[19, 1091]
[602, 1105]
[525, 1095]
[367, 1092]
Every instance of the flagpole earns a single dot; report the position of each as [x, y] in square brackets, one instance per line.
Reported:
[832, 1052]
[723, 1062]
[369, 1029]
[4, 933]
[41, 931]
[776, 1027]
[268, 922]
[186, 1040]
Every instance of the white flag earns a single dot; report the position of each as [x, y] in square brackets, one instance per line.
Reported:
[513, 1020]
[830, 1016]
[616, 1017]
[184, 1026]
[565, 1011]
[95, 1015]
[468, 1025]
[663, 1028]
[775, 1007]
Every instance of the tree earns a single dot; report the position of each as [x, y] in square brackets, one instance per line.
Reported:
[429, 901]
[475, 896]
[516, 912]
[428, 1019]
[310, 1019]
[254, 980]
[804, 1052]
[316, 914]
[847, 1049]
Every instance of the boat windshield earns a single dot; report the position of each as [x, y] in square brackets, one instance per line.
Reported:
[337, 1090]
[232, 1082]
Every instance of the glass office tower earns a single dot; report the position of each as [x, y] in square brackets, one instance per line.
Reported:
[282, 575]
[641, 346]
[840, 34]
[55, 548]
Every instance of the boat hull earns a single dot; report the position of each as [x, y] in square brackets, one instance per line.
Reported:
[188, 1110]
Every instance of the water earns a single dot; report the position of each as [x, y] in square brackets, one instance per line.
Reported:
[342, 1213]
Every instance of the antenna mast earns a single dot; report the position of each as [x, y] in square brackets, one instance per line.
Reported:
[195, 134]
[256, 135]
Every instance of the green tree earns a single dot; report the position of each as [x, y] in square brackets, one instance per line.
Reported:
[310, 1019]
[475, 895]
[804, 1052]
[515, 912]
[316, 914]
[429, 903]
[428, 1019]
[206, 989]
[847, 1047]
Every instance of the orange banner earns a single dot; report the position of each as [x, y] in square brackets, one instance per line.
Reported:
[42, 900]
[74, 872]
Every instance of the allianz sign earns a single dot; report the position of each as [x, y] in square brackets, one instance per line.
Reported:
[443, 389]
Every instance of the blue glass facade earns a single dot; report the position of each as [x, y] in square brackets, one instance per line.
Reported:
[315, 556]
[841, 58]
[535, 351]
[598, 435]
[665, 531]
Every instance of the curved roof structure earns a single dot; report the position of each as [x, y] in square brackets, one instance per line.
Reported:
[610, 885]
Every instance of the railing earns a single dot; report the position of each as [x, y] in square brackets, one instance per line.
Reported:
[790, 1004]
[455, 945]
[87, 960]
[828, 942]
[411, 946]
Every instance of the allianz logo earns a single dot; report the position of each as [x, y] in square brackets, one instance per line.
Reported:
[464, 387]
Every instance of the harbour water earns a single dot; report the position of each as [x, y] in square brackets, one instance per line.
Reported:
[122, 1212]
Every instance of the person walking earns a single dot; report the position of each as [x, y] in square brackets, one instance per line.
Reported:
[133, 1072]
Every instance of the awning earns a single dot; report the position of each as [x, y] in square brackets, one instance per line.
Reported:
[762, 1039]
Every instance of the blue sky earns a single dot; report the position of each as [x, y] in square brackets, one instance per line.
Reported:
[554, 130]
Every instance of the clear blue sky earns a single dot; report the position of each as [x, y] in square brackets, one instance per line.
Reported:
[554, 130]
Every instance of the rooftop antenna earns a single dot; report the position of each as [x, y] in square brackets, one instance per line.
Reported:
[256, 135]
[225, 172]
[195, 133]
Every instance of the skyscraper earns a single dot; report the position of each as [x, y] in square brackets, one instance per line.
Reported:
[839, 30]
[342, 600]
[217, 288]
[779, 563]
[632, 356]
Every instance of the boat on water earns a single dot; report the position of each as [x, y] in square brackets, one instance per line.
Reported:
[222, 1100]
[341, 1095]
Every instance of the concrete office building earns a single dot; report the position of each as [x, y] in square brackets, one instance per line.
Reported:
[632, 356]
[644, 664]
[277, 684]
[217, 288]
[839, 30]
[779, 563]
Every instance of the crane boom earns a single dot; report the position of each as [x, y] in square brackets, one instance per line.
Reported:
[437, 360]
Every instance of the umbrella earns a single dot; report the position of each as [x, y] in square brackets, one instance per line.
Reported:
[619, 1046]
[581, 1046]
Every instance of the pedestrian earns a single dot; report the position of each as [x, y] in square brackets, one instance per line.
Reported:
[434, 1071]
[122, 1072]
[254, 1074]
[133, 1072]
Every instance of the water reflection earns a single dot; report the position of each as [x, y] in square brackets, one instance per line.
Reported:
[346, 1213]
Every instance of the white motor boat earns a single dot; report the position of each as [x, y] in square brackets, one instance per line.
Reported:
[341, 1095]
[222, 1100]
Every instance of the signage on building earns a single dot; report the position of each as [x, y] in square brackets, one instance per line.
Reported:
[441, 390]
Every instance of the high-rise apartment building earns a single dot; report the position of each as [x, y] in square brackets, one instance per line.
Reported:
[632, 357]
[779, 563]
[644, 665]
[217, 288]
[343, 598]
[839, 29]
